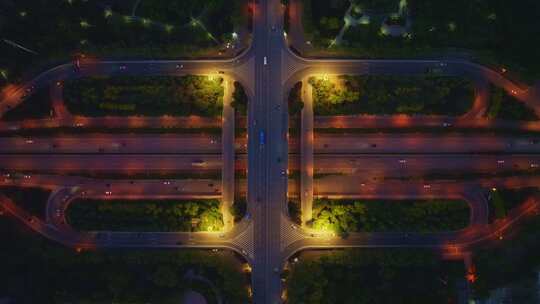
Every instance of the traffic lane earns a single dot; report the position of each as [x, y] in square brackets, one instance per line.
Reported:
[363, 166]
[110, 163]
[324, 143]
[109, 143]
[405, 165]
[422, 143]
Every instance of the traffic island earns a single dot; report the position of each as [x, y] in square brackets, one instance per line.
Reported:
[144, 215]
[145, 96]
[378, 95]
[424, 216]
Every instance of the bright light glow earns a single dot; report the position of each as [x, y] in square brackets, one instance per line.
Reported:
[108, 13]
[84, 24]
[169, 28]
[234, 35]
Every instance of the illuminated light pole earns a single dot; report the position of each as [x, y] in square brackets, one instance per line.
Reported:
[108, 12]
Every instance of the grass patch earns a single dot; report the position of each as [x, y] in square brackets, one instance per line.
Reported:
[144, 215]
[32, 200]
[148, 96]
[502, 201]
[344, 216]
[36, 106]
[504, 106]
[56, 31]
[512, 260]
[392, 95]
[486, 32]
[35, 269]
[374, 276]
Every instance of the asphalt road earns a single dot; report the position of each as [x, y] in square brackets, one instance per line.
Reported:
[268, 237]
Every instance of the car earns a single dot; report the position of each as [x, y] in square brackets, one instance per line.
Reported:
[198, 163]
[265, 61]
[434, 71]
[179, 66]
[273, 28]
[283, 172]
[262, 138]
[446, 124]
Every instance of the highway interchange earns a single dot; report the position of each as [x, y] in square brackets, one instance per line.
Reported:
[349, 165]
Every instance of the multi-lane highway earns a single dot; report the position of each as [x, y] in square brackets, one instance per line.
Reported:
[354, 165]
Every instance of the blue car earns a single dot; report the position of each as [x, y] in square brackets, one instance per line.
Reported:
[262, 138]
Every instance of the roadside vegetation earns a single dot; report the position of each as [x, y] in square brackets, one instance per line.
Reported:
[512, 263]
[502, 201]
[344, 216]
[38, 105]
[148, 96]
[486, 32]
[239, 209]
[373, 276]
[391, 95]
[38, 33]
[240, 99]
[35, 270]
[144, 215]
[295, 212]
[294, 100]
[32, 200]
[504, 106]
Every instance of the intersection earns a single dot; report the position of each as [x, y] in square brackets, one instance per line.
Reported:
[267, 238]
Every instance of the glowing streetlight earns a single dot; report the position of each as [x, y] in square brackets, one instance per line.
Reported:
[234, 35]
[84, 24]
[108, 13]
